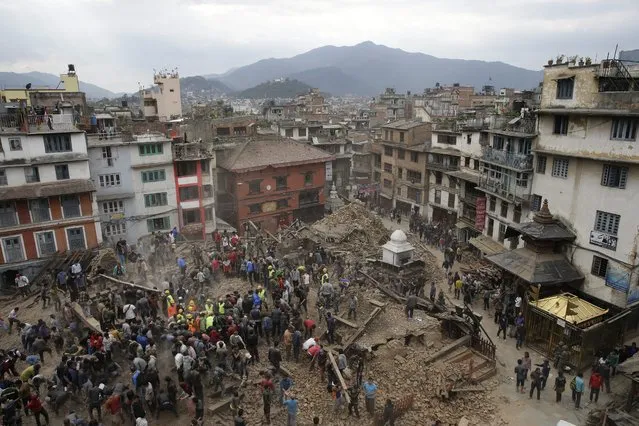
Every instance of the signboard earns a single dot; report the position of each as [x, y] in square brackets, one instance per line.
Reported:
[604, 240]
[617, 277]
[329, 171]
[480, 215]
[269, 207]
[117, 216]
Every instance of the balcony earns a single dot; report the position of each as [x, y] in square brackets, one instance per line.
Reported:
[442, 166]
[507, 159]
[21, 122]
[192, 151]
[510, 192]
[469, 199]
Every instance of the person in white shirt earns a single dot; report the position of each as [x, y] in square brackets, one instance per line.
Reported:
[76, 268]
[13, 317]
[129, 312]
[307, 279]
[23, 283]
[518, 302]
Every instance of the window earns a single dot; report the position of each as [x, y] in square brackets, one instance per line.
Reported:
[492, 204]
[153, 176]
[280, 183]
[186, 168]
[401, 154]
[158, 224]
[109, 180]
[401, 136]
[624, 129]
[469, 139]
[40, 210]
[413, 176]
[599, 266]
[57, 143]
[388, 151]
[282, 204]
[414, 157]
[8, 215]
[32, 174]
[614, 176]
[387, 183]
[447, 139]
[116, 206]
[504, 209]
[565, 87]
[191, 216]
[150, 149]
[155, 200]
[45, 242]
[189, 193]
[502, 232]
[75, 237]
[517, 214]
[107, 155]
[3, 177]
[255, 208]
[400, 173]
[308, 178]
[392, 135]
[207, 191]
[70, 206]
[385, 134]
[109, 230]
[62, 172]
[15, 144]
[451, 200]
[388, 167]
[254, 186]
[302, 132]
[561, 125]
[399, 191]
[414, 194]
[522, 180]
[541, 164]
[452, 182]
[490, 228]
[535, 205]
[467, 162]
[307, 198]
[438, 178]
[12, 248]
[438, 196]
[607, 222]
[560, 168]
[498, 142]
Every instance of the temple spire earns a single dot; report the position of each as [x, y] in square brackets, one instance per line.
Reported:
[544, 215]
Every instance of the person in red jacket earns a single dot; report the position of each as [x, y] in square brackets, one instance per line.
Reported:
[595, 385]
[37, 409]
[309, 328]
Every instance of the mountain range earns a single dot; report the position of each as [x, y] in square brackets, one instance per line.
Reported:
[284, 88]
[365, 69]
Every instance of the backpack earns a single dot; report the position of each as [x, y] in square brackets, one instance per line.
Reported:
[573, 383]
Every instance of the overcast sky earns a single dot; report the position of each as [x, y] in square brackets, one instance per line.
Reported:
[118, 43]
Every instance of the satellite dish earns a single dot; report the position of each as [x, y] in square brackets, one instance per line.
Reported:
[28, 86]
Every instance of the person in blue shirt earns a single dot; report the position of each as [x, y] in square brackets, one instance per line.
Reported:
[370, 389]
[285, 386]
[579, 389]
[182, 265]
[291, 406]
[250, 269]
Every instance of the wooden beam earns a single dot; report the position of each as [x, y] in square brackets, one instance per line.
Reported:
[339, 376]
[345, 322]
[361, 329]
[376, 303]
[465, 340]
[90, 322]
[141, 287]
[223, 404]
[383, 289]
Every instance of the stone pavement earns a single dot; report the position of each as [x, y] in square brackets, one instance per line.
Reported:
[518, 409]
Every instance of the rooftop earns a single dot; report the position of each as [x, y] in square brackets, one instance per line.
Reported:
[49, 189]
[403, 124]
[558, 306]
[542, 227]
[537, 268]
[260, 154]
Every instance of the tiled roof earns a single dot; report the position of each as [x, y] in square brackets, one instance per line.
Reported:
[255, 155]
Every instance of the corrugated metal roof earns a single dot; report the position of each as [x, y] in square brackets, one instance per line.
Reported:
[557, 305]
[540, 231]
[486, 245]
[537, 268]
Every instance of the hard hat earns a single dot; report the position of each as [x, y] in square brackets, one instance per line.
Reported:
[270, 267]
[167, 292]
[325, 270]
[189, 316]
[209, 301]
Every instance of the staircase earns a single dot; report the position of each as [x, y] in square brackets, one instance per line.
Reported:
[471, 364]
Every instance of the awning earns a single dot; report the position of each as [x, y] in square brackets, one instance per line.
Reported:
[486, 245]
[461, 225]
[537, 268]
[581, 311]
[470, 177]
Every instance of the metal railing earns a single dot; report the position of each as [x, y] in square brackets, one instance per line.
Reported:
[32, 178]
[439, 165]
[22, 122]
[503, 189]
[509, 159]
[8, 219]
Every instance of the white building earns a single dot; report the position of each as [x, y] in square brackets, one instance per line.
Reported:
[587, 166]
[135, 184]
[163, 101]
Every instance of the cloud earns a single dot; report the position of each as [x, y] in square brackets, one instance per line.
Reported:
[118, 43]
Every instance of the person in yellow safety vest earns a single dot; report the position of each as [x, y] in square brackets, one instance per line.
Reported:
[271, 272]
[209, 307]
[202, 319]
[179, 317]
[324, 276]
[210, 319]
[261, 293]
[220, 306]
[190, 323]
[191, 308]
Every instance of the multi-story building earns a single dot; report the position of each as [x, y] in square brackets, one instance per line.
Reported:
[68, 90]
[399, 165]
[388, 106]
[271, 183]
[47, 203]
[136, 184]
[506, 174]
[163, 101]
[586, 162]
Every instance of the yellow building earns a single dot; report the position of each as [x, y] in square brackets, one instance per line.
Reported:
[69, 83]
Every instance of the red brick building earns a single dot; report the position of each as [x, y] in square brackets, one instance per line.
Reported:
[271, 183]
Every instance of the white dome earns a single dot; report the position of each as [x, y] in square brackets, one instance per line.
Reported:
[398, 236]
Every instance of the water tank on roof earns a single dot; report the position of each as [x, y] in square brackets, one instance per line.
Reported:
[71, 69]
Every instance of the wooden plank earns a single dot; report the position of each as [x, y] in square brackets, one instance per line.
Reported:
[223, 404]
[360, 330]
[346, 322]
[376, 303]
[339, 376]
[465, 340]
[141, 287]
[90, 322]
[383, 289]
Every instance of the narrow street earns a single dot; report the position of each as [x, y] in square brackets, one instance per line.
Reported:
[519, 409]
